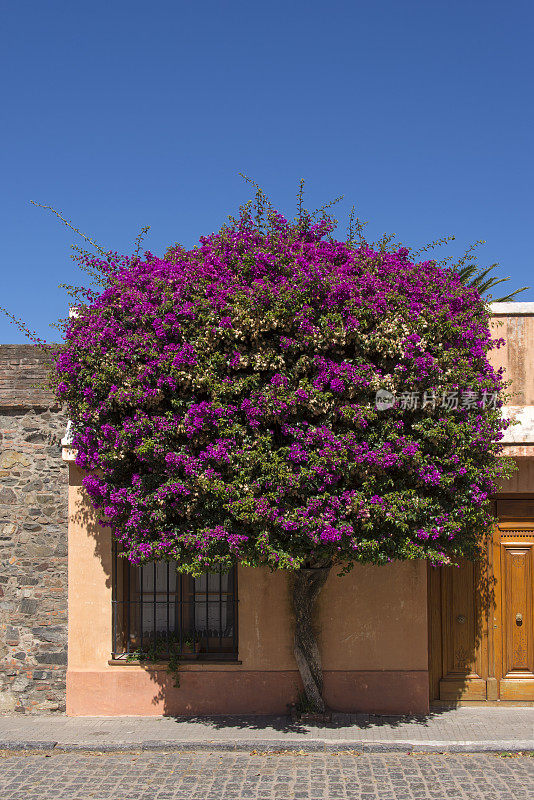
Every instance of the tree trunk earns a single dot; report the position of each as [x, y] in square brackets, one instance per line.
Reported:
[307, 584]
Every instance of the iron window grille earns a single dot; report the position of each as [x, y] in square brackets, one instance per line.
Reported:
[159, 613]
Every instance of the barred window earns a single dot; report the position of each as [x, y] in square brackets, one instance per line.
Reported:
[159, 613]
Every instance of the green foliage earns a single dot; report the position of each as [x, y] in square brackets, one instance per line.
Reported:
[224, 400]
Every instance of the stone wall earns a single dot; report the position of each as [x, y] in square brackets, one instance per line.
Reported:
[33, 537]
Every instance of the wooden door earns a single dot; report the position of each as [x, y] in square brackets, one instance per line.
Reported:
[461, 655]
[481, 616]
[514, 611]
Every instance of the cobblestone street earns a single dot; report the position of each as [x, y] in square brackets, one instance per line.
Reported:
[263, 776]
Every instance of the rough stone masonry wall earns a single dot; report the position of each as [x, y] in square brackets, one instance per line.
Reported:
[33, 537]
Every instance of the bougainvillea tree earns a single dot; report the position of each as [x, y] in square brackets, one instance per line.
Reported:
[224, 403]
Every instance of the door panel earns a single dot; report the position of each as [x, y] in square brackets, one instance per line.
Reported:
[481, 617]
[515, 669]
[464, 649]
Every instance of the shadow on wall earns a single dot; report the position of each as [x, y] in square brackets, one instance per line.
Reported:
[392, 679]
[85, 518]
[92, 564]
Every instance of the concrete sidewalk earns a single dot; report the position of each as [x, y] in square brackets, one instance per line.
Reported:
[464, 729]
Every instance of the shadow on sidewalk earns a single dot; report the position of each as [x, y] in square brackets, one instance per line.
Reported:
[284, 724]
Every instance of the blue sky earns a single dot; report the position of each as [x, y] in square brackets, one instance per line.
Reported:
[124, 114]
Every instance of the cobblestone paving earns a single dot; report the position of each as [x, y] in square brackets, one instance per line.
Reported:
[267, 776]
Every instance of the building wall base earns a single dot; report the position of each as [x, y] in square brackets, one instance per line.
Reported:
[135, 691]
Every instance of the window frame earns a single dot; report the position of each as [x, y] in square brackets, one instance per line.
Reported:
[183, 640]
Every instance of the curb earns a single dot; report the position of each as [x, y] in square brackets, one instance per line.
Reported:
[26, 745]
[278, 745]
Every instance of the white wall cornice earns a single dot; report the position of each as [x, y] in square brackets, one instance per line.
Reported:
[512, 309]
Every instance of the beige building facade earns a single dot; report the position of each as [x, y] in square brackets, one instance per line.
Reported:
[393, 639]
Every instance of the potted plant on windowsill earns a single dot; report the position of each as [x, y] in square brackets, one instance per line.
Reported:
[191, 645]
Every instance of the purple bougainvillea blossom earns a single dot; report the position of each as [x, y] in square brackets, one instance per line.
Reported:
[223, 401]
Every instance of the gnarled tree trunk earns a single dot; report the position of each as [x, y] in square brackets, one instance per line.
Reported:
[307, 583]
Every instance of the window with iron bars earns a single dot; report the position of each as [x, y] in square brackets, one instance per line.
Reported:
[159, 613]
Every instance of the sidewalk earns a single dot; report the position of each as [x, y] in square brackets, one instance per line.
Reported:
[464, 729]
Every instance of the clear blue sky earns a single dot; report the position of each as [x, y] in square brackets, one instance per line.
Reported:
[124, 114]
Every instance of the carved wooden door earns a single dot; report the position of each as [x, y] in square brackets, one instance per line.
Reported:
[464, 656]
[514, 610]
[481, 616]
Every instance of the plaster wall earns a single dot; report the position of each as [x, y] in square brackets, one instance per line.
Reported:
[517, 329]
[372, 626]
[514, 322]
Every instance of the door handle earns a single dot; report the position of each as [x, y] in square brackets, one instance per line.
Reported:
[519, 619]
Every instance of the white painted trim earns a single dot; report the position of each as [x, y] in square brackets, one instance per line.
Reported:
[523, 431]
[512, 309]
[67, 439]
